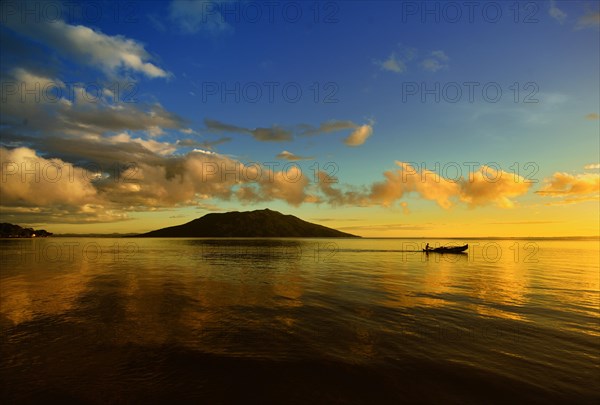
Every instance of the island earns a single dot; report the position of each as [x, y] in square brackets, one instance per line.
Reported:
[248, 224]
[15, 231]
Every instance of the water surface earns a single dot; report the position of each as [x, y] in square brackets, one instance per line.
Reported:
[94, 320]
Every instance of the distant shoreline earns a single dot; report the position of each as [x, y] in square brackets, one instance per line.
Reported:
[116, 236]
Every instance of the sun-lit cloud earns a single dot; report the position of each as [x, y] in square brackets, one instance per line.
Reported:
[589, 20]
[573, 200]
[112, 54]
[556, 12]
[203, 144]
[592, 116]
[392, 64]
[398, 59]
[132, 175]
[51, 190]
[489, 185]
[359, 135]
[292, 157]
[484, 186]
[436, 61]
[567, 185]
[592, 166]
[386, 228]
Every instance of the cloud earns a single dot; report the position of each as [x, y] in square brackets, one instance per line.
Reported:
[359, 135]
[112, 54]
[441, 55]
[279, 134]
[272, 134]
[590, 20]
[73, 111]
[193, 16]
[524, 223]
[556, 13]
[385, 227]
[435, 62]
[327, 127]
[592, 166]
[398, 60]
[51, 190]
[483, 187]
[203, 144]
[392, 64]
[292, 157]
[573, 200]
[29, 188]
[568, 185]
[592, 117]
[131, 175]
[432, 65]
[489, 185]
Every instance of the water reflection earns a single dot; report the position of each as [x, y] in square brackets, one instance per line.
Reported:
[361, 303]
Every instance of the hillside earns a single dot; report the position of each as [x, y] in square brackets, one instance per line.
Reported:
[261, 223]
[15, 231]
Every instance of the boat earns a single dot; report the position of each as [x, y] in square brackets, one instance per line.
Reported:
[447, 249]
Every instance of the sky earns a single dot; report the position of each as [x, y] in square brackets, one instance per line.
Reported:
[381, 119]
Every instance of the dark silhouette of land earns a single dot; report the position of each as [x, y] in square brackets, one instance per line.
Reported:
[254, 224]
[15, 231]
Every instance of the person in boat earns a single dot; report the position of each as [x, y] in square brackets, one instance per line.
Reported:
[427, 247]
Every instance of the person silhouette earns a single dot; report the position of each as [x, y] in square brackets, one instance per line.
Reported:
[427, 247]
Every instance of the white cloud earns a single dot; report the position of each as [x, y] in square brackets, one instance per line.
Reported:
[112, 54]
[435, 62]
[556, 13]
[432, 65]
[292, 157]
[441, 55]
[74, 112]
[193, 16]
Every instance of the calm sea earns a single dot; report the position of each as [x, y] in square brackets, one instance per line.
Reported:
[357, 321]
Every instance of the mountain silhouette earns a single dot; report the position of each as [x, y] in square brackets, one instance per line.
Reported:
[248, 224]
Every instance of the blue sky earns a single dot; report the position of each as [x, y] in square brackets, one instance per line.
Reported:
[369, 74]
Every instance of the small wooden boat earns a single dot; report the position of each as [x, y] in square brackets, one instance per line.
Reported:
[448, 249]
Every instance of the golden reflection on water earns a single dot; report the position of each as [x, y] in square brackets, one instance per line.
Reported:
[158, 295]
[26, 296]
